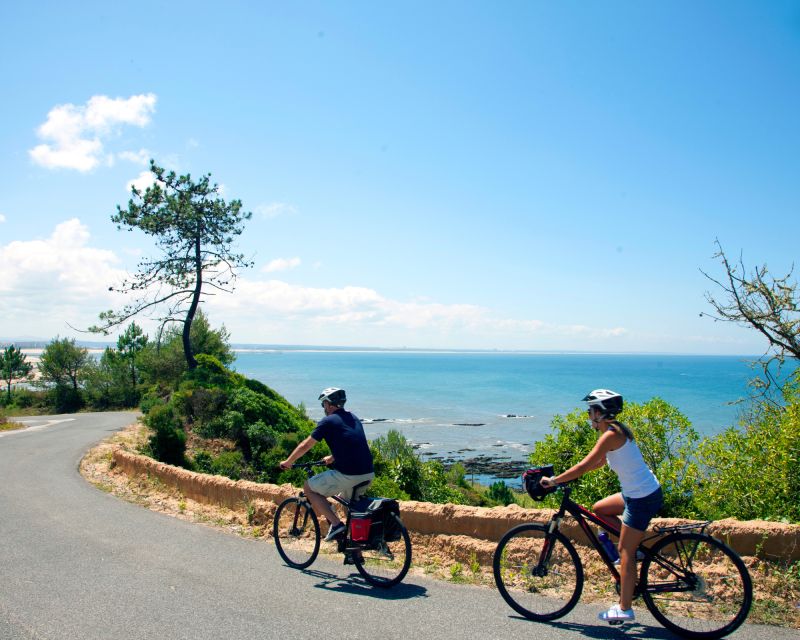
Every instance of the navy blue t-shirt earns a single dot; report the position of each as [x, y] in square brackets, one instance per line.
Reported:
[344, 434]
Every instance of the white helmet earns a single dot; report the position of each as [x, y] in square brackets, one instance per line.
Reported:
[609, 402]
[333, 395]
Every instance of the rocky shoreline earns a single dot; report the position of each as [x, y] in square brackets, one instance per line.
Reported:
[499, 467]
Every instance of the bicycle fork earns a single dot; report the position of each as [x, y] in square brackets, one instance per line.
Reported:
[542, 567]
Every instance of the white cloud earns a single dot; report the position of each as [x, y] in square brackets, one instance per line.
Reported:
[74, 134]
[62, 279]
[275, 209]
[281, 264]
[274, 311]
[142, 156]
[56, 280]
[2, 218]
[141, 182]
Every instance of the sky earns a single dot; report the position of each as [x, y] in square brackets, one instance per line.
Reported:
[456, 175]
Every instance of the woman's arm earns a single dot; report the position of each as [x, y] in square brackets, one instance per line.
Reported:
[595, 459]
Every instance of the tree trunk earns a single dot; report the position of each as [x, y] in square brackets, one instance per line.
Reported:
[187, 324]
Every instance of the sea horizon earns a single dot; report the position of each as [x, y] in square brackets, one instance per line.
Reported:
[40, 343]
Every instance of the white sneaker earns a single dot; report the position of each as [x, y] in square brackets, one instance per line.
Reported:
[334, 531]
[617, 615]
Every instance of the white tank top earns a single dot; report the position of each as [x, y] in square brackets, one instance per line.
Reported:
[635, 477]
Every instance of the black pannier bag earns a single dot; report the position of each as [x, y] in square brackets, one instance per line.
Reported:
[531, 478]
[378, 513]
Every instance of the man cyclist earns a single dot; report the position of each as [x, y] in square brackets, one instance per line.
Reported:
[350, 459]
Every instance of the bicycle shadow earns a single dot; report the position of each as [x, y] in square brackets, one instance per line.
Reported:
[602, 631]
[354, 584]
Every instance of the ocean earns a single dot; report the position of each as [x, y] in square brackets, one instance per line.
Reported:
[458, 405]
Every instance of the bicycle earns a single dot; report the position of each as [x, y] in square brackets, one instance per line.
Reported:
[694, 585]
[376, 541]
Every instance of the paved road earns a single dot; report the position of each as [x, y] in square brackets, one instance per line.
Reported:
[76, 563]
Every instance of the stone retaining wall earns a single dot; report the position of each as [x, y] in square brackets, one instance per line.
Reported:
[769, 540]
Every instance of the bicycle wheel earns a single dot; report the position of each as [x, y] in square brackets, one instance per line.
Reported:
[696, 586]
[296, 532]
[539, 574]
[387, 564]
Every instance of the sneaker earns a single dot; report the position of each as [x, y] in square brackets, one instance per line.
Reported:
[639, 557]
[617, 615]
[334, 531]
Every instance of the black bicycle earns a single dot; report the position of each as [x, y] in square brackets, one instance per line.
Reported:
[374, 540]
[693, 584]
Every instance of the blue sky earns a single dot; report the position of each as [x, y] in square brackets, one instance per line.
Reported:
[515, 175]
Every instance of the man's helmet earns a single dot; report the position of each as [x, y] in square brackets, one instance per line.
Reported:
[609, 402]
[333, 395]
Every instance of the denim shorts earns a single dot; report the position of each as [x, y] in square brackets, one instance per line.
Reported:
[639, 511]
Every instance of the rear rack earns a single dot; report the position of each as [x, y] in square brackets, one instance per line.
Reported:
[682, 528]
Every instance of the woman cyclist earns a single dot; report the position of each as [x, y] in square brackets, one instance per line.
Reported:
[639, 501]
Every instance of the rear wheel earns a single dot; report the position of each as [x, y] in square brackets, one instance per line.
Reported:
[387, 564]
[296, 532]
[539, 574]
[696, 586]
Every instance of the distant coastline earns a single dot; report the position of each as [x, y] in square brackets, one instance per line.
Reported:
[246, 347]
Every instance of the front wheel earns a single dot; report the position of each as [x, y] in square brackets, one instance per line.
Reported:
[696, 586]
[539, 574]
[296, 533]
[386, 564]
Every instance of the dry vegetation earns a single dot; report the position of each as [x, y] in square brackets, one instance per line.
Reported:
[453, 558]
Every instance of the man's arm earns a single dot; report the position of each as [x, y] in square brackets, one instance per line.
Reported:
[299, 451]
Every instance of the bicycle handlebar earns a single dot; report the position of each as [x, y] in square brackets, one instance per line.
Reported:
[306, 466]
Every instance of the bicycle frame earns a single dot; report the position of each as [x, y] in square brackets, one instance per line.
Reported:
[583, 516]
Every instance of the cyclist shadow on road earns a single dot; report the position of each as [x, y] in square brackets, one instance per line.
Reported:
[356, 585]
[603, 631]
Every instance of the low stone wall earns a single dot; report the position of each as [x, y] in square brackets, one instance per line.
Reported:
[771, 540]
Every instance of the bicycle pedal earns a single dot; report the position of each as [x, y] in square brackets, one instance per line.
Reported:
[616, 623]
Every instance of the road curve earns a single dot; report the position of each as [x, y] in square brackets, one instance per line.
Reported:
[76, 563]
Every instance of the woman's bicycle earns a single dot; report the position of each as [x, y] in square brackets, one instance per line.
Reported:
[693, 584]
[374, 540]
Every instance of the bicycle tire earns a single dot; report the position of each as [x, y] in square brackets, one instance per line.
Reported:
[696, 586]
[296, 532]
[555, 591]
[387, 564]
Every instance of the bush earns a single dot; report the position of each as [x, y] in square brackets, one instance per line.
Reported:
[754, 472]
[149, 400]
[230, 464]
[500, 493]
[385, 487]
[65, 399]
[168, 442]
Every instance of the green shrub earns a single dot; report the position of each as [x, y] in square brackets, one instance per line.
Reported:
[385, 487]
[27, 399]
[65, 398]
[500, 493]
[753, 472]
[262, 438]
[202, 462]
[230, 464]
[168, 442]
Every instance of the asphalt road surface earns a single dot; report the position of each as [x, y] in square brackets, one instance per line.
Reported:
[76, 563]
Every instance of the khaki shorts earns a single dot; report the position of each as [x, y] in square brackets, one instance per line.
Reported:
[332, 482]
